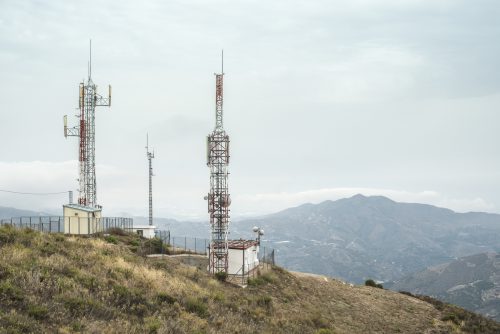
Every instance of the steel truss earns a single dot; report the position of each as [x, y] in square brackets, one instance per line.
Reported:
[219, 199]
[88, 100]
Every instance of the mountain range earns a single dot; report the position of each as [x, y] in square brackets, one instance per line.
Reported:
[373, 237]
[472, 282]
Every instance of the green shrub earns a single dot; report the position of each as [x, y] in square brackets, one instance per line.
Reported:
[38, 312]
[7, 234]
[370, 282]
[154, 246]
[49, 249]
[116, 231]
[76, 326]
[265, 301]
[165, 298]
[152, 324]
[14, 322]
[450, 317]
[8, 291]
[127, 296]
[197, 306]
[111, 239]
[221, 276]
[324, 331]
[261, 280]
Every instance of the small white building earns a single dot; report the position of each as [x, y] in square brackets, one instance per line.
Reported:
[146, 231]
[243, 256]
[79, 219]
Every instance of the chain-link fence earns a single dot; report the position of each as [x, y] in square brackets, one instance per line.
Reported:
[69, 225]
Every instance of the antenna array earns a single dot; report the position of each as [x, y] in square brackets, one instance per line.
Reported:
[88, 100]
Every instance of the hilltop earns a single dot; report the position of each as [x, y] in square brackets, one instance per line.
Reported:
[51, 283]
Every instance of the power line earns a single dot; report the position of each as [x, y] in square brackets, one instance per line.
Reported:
[23, 193]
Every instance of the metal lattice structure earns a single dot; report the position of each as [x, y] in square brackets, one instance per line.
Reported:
[87, 102]
[150, 156]
[218, 197]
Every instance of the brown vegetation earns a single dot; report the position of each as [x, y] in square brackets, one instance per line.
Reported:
[50, 283]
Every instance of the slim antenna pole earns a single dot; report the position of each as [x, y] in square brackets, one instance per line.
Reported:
[150, 156]
[90, 59]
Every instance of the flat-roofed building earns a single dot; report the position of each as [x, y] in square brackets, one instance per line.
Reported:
[79, 219]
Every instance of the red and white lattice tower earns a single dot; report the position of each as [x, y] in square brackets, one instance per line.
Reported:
[87, 102]
[218, 197]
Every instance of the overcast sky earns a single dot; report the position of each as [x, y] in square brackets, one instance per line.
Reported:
[323, 100]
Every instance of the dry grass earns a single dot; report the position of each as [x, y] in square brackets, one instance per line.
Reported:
[58, 284]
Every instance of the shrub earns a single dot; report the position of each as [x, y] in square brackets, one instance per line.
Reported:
[370, 282]
[11, 292]
[221, 276]
[38, 312]
[153, 324]
[14, 322]
[76, 326]
[48, 249]
[163, 297]
[265, 301]
[111, 239]
[154, 246]
[197, 306]
[7, 234]
[116, 231]
[261, 280]
[324, 331]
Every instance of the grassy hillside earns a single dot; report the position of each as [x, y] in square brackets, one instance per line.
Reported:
[58, 284]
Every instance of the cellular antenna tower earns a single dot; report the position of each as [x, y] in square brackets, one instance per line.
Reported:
[87, 102]
[218, 197]
[150, 156]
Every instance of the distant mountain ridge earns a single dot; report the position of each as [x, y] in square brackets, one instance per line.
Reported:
[472, 282]
[7, 212]
[373, 237]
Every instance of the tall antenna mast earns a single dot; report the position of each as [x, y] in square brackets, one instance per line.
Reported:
[150, 156]
[88, 100]
[90, 60]
[218, 196]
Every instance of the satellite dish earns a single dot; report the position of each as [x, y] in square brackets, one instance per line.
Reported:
[261, 232]
[255, 229]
